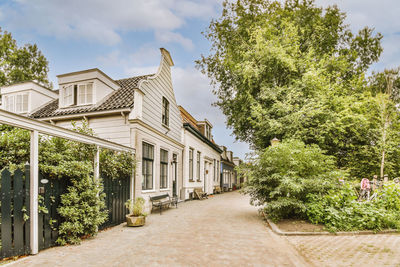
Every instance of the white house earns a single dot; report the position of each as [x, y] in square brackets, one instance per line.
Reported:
[140, 112]
[201, 156]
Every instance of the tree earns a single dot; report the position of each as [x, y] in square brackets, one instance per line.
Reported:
[20, 64]
[292, 70]
[281, 177]
[386, 87]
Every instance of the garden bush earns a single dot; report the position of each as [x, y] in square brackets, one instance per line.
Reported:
[280, 178]
[339, 209]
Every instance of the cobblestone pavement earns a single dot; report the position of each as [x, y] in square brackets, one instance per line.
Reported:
[357, 250]
[221, 231]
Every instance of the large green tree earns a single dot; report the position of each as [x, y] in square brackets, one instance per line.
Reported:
[21, 63]
[293, 70]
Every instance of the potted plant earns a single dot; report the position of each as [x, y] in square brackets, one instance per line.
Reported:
[136, 216]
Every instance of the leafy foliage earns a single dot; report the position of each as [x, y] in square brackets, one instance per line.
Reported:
[339, 210]
[116, 164]
[301, 73]
[136, 208]
[20, 64]
[83, 209]
[281, 177]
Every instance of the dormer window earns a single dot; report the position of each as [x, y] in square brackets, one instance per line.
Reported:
[85, 93]
[16, 103]
[68, 95]
[208, 131]
[78, 94]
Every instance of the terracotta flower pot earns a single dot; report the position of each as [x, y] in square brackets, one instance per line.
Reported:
[135, 221]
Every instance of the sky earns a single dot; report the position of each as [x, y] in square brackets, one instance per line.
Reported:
[123, 37]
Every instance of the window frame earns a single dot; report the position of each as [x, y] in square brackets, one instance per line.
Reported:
[165, 112]
[164, 164]
[12, 104]
[198, 169]
[85, 89]
[68, 99]
[191, 166]
[214, 170]
[146, 159]
[71, 94]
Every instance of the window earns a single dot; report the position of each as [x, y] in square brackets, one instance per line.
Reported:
[205, 170]
[165, 111]
[68, 98]
[85, 93]
[191, 151]
[163, 169]
[215, 172]
[198, 165]
[218, 170]
[16, 103]
[147, 166]
[22, 103]
[208, 131]
[78, 94]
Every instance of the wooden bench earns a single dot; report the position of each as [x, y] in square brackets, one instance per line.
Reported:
[198, 192]
[162, 201]
[217, 190]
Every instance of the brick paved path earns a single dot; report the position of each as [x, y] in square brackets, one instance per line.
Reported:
[221, 231]
[361, 250]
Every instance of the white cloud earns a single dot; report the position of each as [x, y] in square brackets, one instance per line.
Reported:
[172, 37]
[103, 20]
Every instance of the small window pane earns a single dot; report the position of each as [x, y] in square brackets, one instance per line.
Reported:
[89, 93]
[25, 102]
[19, 103]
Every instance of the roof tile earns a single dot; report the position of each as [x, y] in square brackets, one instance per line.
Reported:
[121, 98]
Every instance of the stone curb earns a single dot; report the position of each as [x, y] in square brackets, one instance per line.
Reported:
[278, 231]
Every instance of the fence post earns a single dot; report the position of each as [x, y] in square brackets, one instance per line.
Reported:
[34, 183]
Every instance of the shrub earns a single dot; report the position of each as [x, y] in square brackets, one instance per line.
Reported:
[281, 177]
[339, 209]
[82, 208]
[136, 208]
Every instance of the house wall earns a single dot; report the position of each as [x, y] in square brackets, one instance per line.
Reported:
[114, 128]
[207, 157]
[143, 133]
[228, 175]
[154, 89]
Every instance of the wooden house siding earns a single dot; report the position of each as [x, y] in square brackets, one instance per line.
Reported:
[112, 128]
[155, 89]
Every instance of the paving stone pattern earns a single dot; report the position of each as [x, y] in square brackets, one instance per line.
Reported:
[223, 230]
[357, 250]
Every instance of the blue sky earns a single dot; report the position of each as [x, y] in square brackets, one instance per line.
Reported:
[123, 37]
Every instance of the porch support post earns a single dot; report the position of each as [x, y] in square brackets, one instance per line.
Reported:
[97, 164]
[34, 184]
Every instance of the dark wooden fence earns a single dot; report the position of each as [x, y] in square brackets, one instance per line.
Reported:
[15, 197]
[117, 193]
[50, 191]
[15, 228]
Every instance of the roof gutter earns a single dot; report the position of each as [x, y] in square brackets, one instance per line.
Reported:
[85, 114]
